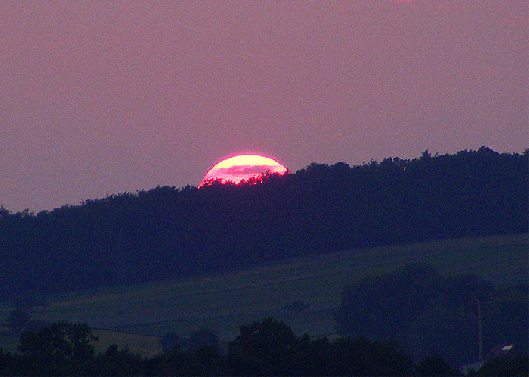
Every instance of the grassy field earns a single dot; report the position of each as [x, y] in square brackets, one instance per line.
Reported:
[137, 315]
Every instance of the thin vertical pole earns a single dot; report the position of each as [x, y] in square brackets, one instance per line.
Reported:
[480, 332]
[480, 335]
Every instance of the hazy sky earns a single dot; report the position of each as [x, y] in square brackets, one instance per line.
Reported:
[102, 97]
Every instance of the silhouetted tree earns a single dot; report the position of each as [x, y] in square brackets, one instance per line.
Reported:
[8, 365]
[506, 366]
[57, 349]
[362, 357]
[119, 362]
[435, 365]
[262, 348]
[268, 347]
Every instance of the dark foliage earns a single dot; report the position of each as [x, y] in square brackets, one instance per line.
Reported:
[506, 366]
[204, 337]
[8, 364]
[430, 314]
[262, 348]
[118, 362]
[60, 348]
[270, 348]
[168, 232]
[436, 366]
[362, 357]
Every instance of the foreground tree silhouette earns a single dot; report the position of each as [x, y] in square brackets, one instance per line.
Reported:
[61, 348]
[436, 366]
[362, 357]
[7, 364]
[262, 348]
[119, 362]
[271, 348]
[506, 366]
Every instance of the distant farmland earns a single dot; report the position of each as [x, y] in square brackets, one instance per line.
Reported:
[223, 302]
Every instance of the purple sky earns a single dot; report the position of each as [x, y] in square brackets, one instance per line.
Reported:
[100, 97]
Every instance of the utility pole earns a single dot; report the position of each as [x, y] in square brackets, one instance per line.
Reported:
[480, 335]
[480, 317]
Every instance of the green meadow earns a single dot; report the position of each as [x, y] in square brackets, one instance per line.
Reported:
[137, 316]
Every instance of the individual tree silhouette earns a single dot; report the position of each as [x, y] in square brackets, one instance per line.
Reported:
[57, 348]
[262, 348]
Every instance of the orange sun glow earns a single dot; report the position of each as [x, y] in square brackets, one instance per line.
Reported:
[241, 168]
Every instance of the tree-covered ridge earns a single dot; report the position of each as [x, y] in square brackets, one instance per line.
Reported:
[168, 232]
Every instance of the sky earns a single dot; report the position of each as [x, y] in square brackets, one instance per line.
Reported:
[100, 98]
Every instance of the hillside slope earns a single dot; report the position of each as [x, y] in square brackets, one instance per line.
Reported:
[225, 301]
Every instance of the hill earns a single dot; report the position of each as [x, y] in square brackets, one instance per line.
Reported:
[225, 301]
[168, 233]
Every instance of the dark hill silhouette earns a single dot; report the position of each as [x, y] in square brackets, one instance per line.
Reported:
[169, 232]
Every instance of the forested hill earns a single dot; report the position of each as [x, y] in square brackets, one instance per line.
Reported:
[168, 232]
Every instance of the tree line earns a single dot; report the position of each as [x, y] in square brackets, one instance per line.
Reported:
[170, 232]
[264, 348]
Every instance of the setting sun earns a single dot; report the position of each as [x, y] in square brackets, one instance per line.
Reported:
[242, 167]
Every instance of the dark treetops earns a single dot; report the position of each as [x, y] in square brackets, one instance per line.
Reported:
[168, 232]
